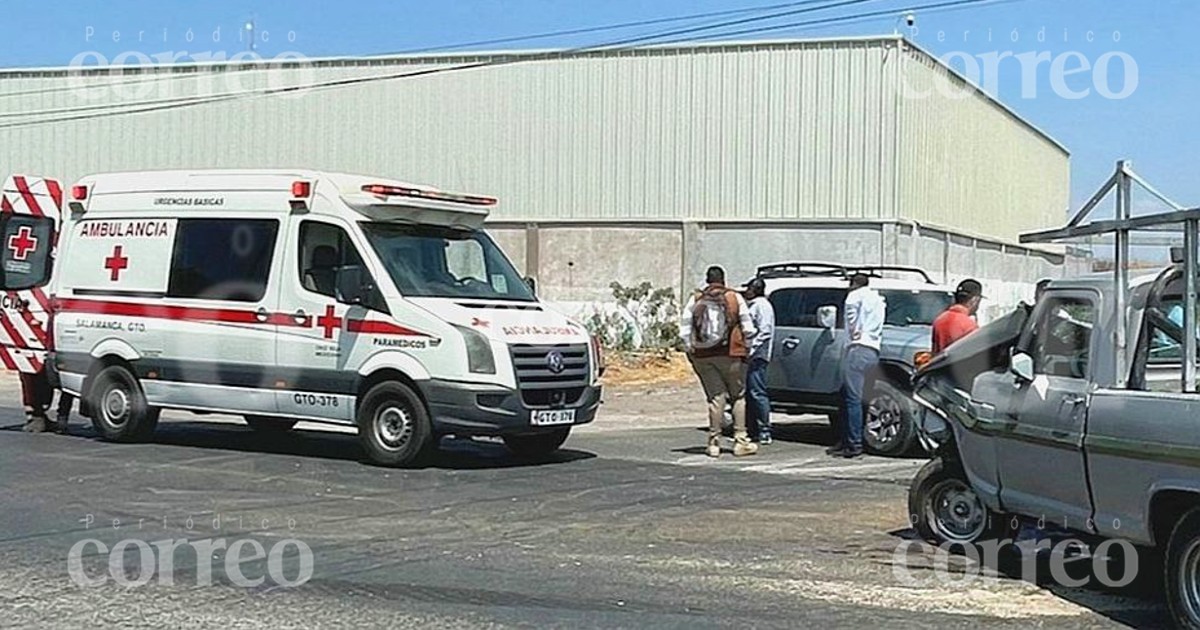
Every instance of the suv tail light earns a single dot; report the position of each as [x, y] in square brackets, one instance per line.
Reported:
[921, 359]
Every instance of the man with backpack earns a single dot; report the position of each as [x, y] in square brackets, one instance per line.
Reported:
[715, 326]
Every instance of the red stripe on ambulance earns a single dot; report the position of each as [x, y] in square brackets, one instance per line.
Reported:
[11, 332]
[376, 327]
[7, 359]
[26, 194]
[55, 192]
[42, 299]
[178, 313]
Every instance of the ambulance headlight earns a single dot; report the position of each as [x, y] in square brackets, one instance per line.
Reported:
[480, 359]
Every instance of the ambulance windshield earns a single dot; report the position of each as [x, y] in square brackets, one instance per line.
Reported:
[427, 261]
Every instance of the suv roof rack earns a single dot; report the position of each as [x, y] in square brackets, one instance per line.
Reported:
[834, 270]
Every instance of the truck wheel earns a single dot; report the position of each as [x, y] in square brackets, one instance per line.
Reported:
[119, 409]
[394, 426]
[944, 509]
[888, 425]
[269, 424]
[536, 445]
[1182, 571]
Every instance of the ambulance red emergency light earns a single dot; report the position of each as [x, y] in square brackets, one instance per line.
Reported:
[298, 295]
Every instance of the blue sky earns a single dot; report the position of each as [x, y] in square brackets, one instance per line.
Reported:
[1155, 126]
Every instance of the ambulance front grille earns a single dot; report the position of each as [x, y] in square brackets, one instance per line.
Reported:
[542, 386]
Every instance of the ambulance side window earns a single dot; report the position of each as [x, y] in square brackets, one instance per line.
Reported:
[324, 250]
[223, 259]
[28, 242]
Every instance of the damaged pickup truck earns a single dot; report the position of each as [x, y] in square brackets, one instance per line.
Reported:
[1080, 411]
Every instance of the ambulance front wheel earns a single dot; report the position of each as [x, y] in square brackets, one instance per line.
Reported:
[118, 406]
[394, 425]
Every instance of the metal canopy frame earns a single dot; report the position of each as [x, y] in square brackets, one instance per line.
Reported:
[1188, 218]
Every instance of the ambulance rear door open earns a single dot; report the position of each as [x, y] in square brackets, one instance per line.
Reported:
[30, 218]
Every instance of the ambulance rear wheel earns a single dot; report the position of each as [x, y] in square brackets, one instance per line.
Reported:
[118, 406]
[267, 424]
[394, 426]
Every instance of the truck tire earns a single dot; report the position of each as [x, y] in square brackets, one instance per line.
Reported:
[1182, 571]
[889, 428]
[118, 406]
[944, 509]
[536, 445]
[394, 426]
[270, 424]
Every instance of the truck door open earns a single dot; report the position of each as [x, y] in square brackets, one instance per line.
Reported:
[30, 211]
[1041, 458]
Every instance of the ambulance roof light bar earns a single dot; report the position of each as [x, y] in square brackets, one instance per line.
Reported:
[385, 190]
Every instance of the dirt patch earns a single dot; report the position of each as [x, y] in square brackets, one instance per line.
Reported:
[647, 368]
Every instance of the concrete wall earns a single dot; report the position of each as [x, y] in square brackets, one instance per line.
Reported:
[742, 248]
[580, 263]
[513, 241]
[575, 264]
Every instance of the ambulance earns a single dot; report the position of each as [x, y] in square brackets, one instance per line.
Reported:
[288, 295]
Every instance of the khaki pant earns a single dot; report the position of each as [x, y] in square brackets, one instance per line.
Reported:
[723, 379]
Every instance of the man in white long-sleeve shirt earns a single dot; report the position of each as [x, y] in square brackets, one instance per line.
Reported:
[758, 404]
[864, 313]
[714, 328]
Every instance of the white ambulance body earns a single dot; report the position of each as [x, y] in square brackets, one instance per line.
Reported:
[299, 295]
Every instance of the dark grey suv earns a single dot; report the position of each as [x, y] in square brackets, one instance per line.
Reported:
[805, 375]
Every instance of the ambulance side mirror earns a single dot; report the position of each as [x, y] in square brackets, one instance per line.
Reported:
[353, 284]
[532, 284]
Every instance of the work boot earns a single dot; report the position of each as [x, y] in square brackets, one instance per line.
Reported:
[714, 446]
[742, 446]
[35, 424]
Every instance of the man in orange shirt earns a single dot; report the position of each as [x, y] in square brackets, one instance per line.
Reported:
[958, 321]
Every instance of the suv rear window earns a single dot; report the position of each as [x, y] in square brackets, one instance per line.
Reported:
[907, 308]
[798, 307]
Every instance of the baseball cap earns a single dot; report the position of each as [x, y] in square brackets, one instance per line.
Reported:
[969, 288]
[755, 281]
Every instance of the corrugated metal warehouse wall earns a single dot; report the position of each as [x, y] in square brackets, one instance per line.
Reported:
[631, 165]
[799, 130]
[969, 163]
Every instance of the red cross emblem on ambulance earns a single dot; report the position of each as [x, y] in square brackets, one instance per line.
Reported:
[22, 243]
[116, 263]
[329, 321]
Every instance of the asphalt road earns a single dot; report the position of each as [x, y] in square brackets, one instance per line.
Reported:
[628, 526]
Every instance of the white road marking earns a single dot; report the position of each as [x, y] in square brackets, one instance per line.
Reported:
[811, 466]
